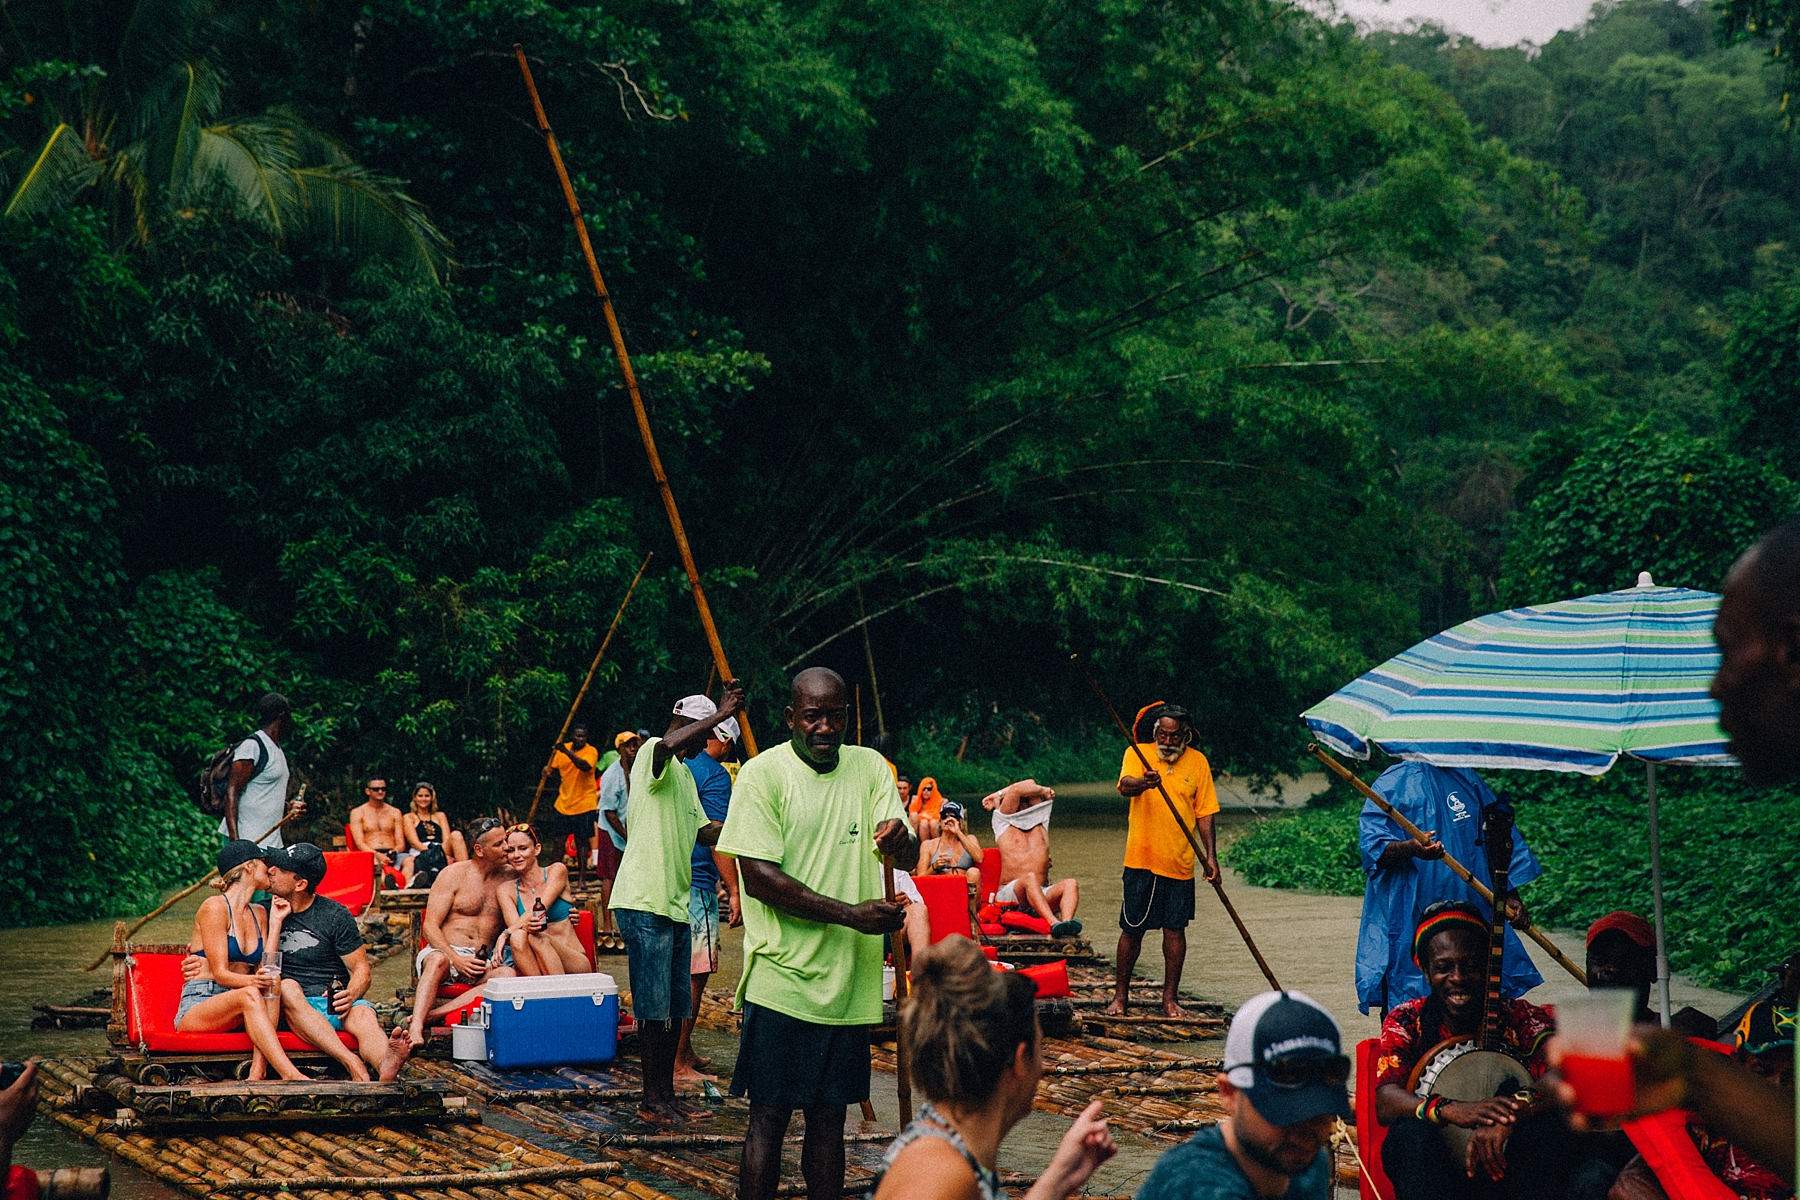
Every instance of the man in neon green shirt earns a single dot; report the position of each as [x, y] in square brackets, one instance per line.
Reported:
[809, 822]
[650, 896]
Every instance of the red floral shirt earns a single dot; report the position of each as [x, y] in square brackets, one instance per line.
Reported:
[1523, 1030]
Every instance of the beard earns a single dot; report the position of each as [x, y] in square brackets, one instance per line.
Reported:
[1169, 754]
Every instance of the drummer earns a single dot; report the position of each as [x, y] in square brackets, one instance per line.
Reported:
[1510, 1147]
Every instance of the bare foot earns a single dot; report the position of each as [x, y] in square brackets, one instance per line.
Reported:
[691, 1113]
[661, 1113]
[1115, 1009]
[358, 1071]
[399, 1049]
[1172, 1009]
[684, 1073]
[415, 1033]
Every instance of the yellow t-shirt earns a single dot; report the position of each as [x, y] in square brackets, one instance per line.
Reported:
[1153, 842]
[580, 791]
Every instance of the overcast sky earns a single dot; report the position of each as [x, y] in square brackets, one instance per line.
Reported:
[1490, 22]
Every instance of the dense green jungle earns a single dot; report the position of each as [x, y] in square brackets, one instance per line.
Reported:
[1225, 344]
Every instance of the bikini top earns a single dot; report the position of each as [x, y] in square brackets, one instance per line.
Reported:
[557, 910]
[931, 1124]
[234, 953]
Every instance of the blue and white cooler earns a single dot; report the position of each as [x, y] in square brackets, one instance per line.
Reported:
[551, 1020]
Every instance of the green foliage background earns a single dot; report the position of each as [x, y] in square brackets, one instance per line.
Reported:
[1229, 347]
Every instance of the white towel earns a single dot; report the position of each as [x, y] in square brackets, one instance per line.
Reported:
[1025, 819]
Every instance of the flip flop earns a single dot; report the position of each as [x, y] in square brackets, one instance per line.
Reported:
[1065, 929]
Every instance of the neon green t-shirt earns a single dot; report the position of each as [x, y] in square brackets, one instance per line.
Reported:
[820, 830]
[665, 817]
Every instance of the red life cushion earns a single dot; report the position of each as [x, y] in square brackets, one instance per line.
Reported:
[992, 929]
[349, 879]
[946, 904]
[990, 874]
[1052, 978]
[1370, 1132]
[988, 914]
[1030, 922]
[153, 995]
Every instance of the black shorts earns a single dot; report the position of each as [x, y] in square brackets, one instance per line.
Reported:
[560, 825]
[1155, 901]
[787, 1063]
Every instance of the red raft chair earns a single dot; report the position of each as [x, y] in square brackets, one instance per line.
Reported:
[946, 904]
[990, 874]
[1370, 1133]
[153, 994]
[349, 879]
[392, 872]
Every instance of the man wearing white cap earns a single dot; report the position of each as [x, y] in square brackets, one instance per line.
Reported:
[714, 875]
[1283, 1092]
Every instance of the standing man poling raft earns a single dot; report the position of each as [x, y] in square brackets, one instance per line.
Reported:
[810, 820]
[1159, 861]
[1404, 878]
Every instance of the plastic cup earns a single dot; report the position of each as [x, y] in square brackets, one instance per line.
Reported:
[271, 964]
[1593, 1030]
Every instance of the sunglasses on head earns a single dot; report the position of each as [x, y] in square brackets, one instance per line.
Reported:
[1293, 1073]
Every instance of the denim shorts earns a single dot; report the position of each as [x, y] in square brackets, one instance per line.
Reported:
[657, 951]
[193, 992]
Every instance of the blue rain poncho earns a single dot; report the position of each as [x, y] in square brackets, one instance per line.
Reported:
[1448, 801]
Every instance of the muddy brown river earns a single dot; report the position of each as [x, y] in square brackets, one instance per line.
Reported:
[1309, 941]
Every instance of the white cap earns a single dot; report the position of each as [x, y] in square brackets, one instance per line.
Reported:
[726, 730]
[1644, 579]
[697, 708]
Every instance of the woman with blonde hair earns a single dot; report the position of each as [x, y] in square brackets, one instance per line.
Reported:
[977, 1054]
[540, 921]
[425, 810]
[229, 989]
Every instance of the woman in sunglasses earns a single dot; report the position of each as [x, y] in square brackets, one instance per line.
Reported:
[540, 923]
[977, 1054]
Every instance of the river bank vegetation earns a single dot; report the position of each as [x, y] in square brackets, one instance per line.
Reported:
[1228, 346]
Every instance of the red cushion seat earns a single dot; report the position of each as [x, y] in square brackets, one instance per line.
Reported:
[153, 996]
[349, 879]
[946, 904]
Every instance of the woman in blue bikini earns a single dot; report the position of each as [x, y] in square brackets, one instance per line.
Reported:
[230, 931]
[542, 939]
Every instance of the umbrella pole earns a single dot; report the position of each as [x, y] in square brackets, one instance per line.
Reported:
[1656, 898]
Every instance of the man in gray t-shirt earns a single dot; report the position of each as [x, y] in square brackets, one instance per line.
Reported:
[255, 800]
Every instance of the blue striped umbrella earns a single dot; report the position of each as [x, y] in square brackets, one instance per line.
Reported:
[1569, 686]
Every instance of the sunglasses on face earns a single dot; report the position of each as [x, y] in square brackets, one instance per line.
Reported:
[1290, 1074]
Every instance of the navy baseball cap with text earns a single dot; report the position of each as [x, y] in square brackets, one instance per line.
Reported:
[1285, 1052]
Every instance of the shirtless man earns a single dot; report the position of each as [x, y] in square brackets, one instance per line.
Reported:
[376, 825]
[1022, 832]
[462, 925]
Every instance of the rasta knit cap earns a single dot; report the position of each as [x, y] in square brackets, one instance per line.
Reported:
[1439, 917]
[1144, 728]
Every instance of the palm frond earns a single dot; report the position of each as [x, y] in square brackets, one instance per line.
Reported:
[60, 169]
[348, 206]
[247, 167]
[169, 119]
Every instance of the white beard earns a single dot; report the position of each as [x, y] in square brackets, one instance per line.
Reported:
[1169, 754]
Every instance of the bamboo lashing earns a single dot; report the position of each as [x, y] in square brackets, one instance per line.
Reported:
[187, 891]
[902, 1072]
[383, 1183]
[1217, 885]
[579, 696]
[1463, 873]
[631, 388]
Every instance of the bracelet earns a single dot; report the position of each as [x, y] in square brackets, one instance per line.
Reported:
[1432, 1108]
[1419, 1112]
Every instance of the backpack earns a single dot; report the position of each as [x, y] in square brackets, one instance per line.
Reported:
[217, 774]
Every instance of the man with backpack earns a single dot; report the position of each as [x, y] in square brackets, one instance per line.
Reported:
[256, 790]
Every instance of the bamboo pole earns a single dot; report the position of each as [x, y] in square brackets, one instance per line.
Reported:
[1218, 886]
[383, 1183]
[859, 740]
[184, 893]
[1463, 873]
[631, 388]
[902, 1071]
[579, 696]
[869, 653]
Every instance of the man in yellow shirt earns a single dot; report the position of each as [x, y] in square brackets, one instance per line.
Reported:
[578, 798]
[1159, 862]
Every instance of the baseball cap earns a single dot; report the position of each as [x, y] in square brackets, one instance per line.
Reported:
[951, 808]
[1627, 923]
[237, 853]
[726, 730]
[1285, 1052]
[697, 708]
[619, 739]
[302, 858]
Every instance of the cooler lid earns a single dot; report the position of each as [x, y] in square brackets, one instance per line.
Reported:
[546, 987]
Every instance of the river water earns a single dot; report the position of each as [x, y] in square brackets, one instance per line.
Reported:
[1309, 941]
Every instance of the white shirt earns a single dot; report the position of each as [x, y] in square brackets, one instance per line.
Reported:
[264, 798]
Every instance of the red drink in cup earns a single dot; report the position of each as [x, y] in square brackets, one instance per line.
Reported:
[1593, 1029]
